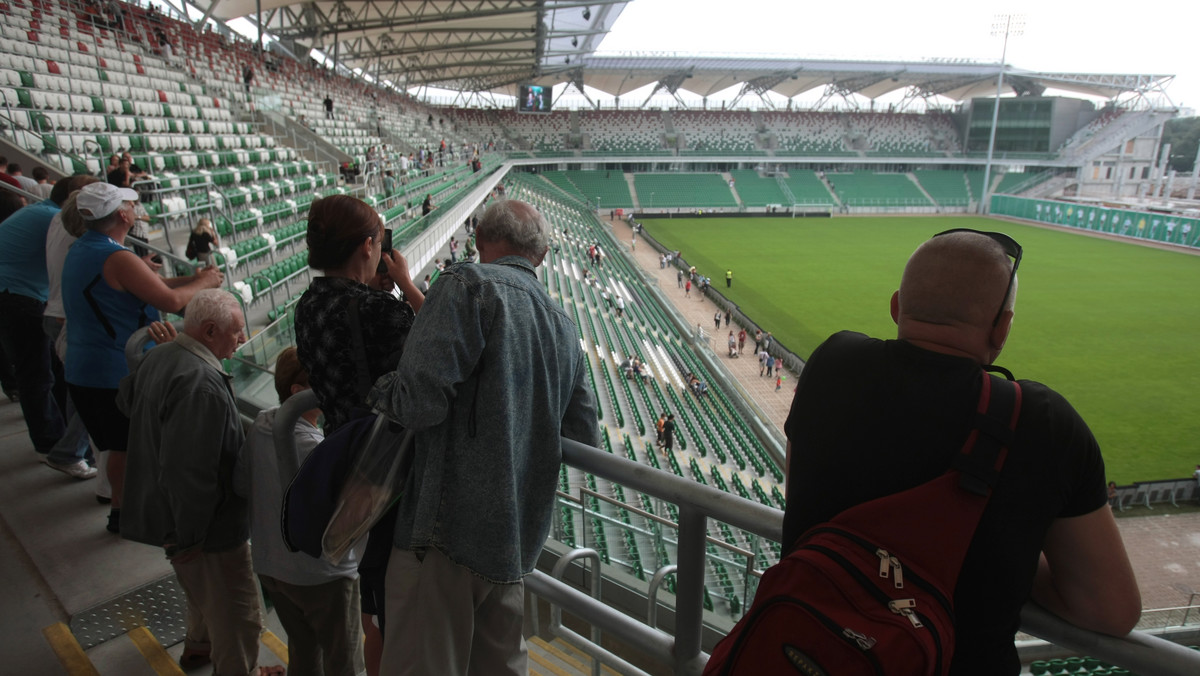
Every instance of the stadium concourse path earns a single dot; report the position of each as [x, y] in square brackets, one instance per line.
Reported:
[697, 310]
[1164, 548]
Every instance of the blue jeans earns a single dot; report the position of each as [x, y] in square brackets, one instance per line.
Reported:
[23, 339]
[74, 444]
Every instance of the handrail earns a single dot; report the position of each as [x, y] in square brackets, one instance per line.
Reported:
[30, 198]
[1146, 654]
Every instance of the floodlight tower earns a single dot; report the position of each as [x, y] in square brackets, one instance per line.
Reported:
[1002, 25]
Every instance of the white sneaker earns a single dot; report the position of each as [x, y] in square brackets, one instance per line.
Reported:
[77, 470]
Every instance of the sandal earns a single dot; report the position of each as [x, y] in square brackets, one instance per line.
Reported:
[189, 661]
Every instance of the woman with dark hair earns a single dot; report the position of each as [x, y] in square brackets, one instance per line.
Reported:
[108, 293]
[345, 242]
[348, 322]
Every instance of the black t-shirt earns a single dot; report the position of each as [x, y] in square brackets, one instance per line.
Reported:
[871, 418]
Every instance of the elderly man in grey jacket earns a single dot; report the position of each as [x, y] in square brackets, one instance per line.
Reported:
[492, 376]
[184, 438]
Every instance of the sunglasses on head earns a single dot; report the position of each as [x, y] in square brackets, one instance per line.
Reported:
[1011, 249]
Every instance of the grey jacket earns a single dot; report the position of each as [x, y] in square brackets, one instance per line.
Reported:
[492, 375]
[184, 437]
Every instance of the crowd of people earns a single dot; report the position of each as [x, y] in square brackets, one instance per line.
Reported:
[488, 373]
[184, 476]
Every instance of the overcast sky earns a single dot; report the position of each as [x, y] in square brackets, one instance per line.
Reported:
[1059, 36]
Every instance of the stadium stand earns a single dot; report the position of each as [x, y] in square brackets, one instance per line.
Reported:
[540, 132]
[809, 188]
[866, 188]
[714, 441]
[622, 132]
[756, 191]
[947, 188]
[606, 189]
[1012, 180]
[716, 132]
[807, 133]
[682, 190]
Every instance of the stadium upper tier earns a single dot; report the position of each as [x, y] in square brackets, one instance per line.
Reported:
[78, 86]
[193, 128]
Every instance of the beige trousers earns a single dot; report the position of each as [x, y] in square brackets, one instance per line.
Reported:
[323, 625]
[443, 619]
[224, 610]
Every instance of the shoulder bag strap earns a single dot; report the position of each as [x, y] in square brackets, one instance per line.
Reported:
[359, 347]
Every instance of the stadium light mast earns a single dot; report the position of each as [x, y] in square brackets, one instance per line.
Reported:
[1005, 25]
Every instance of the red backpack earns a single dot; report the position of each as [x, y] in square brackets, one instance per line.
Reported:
[872, 590]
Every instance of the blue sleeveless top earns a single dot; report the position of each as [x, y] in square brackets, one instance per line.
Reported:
[100, 319]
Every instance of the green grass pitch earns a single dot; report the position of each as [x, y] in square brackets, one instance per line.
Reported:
[1113, 326]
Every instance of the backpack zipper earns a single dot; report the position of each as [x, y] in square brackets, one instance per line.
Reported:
[901, 575]
[861, 642]
[895, 605]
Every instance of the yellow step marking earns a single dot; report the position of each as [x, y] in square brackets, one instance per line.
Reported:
[572, 649]
[275, 645]
[156, 655]
[571, 661]
[546, 664]
[68, 650]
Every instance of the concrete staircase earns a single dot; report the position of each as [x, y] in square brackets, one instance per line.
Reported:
[633, 191]
[912, 177]
[728, 178]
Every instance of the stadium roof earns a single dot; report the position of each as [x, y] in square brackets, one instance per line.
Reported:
[953, 79]
[466, 45]
[493, 45]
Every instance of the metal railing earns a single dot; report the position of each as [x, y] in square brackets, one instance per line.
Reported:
[697, 504]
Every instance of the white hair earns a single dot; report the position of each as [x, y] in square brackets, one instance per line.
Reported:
[517, 223]
[210, 305]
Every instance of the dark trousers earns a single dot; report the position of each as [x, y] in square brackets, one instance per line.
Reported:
[22, 336]
[8, 377]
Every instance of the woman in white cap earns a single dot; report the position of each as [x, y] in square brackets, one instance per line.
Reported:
[108, 293]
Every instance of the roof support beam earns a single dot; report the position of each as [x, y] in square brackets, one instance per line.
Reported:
[207, 13]
[671, 83]
[761, 85]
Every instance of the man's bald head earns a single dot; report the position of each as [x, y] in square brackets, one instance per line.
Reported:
[956, 279]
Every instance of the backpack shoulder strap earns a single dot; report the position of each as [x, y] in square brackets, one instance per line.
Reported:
[936, 521]
[994, 424]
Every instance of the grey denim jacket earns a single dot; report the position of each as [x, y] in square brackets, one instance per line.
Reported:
[492, 375]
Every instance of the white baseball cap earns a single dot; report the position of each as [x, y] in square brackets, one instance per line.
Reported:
[99, 200]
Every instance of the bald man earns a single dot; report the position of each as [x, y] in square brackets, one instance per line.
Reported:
[874, 417]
